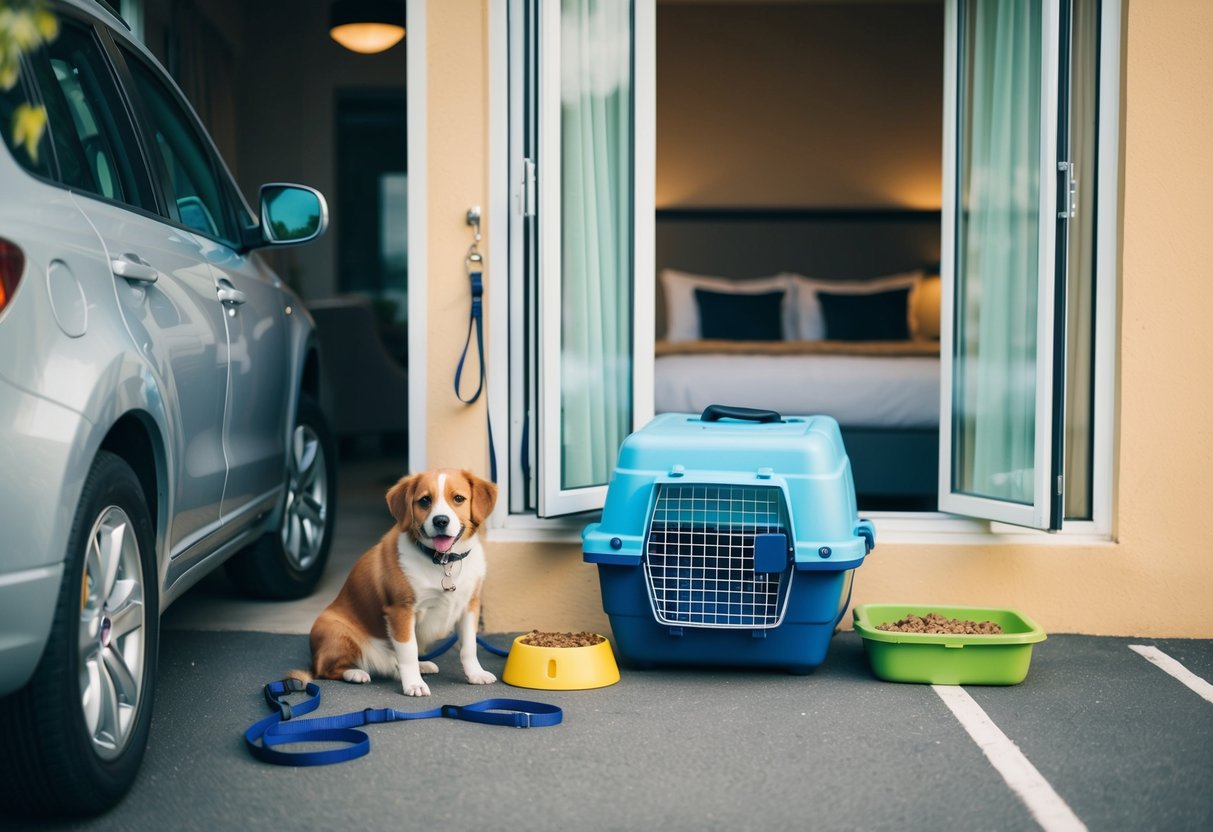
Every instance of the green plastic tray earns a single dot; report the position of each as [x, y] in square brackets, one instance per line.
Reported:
[941, 659]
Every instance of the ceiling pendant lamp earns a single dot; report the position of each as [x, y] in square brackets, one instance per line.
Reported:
[367, 26]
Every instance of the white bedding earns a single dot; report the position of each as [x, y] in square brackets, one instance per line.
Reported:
[857, 390]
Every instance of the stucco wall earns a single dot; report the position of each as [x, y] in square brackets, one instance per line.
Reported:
[1156, 578]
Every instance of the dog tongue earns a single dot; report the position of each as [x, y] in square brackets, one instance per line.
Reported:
[443, 543]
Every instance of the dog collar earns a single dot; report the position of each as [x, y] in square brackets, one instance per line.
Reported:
[441, 558]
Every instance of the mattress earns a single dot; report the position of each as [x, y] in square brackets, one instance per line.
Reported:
[870, 391]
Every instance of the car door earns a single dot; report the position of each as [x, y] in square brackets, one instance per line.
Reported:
[200, 195]
[164, 286]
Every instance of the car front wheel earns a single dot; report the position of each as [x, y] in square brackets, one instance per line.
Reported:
[288, 562]
[74, 736]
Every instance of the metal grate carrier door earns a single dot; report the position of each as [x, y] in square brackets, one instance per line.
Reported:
[699, 556]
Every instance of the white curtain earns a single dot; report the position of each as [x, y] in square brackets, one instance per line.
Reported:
[596, 237]
[997, 255]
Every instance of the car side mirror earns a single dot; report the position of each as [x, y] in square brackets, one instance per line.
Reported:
[292, 214]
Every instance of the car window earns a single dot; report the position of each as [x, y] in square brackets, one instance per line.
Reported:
[193, 185]
[98, 118]
[87, 142]
[88, 132]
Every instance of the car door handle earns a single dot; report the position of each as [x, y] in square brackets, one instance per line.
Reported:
[134, 268]
[229, 294]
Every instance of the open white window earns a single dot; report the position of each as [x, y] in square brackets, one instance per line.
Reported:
[1020, 83]
[582, 245]
[1028, 262]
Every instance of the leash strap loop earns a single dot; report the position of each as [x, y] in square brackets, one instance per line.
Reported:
[279, 728]
[476, 322]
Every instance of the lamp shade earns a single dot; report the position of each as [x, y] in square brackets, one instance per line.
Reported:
[367, 26]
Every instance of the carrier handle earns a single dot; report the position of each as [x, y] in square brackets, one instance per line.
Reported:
[716, 412]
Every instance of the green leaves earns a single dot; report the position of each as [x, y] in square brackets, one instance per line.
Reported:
[24, 26]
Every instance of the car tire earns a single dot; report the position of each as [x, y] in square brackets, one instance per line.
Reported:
[287, 563]
[74, 736]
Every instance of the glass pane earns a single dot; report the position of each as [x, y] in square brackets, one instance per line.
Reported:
[1080, 310]
[192, 181]
[996, 307]
[596, 237]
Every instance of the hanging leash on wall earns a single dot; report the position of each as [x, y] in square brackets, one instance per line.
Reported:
[283, 728]
[474, 266]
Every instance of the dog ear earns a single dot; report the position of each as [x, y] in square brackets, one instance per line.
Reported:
[484, 497]
[400, 497]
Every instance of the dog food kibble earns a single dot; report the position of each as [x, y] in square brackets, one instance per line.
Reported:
[537, 639]
[933, 622]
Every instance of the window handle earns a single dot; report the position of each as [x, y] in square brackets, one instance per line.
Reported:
[134, 268]
[1069, 190]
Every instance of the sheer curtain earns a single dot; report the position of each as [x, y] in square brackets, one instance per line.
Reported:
[997, 269]
[596, 238]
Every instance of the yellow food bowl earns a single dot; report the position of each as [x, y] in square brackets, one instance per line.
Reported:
[560, 668]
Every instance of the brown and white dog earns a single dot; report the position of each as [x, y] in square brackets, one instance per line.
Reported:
[417, 585]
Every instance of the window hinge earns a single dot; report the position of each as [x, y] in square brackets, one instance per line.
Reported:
[1069, 190]
[527, 197]
[1061, 481]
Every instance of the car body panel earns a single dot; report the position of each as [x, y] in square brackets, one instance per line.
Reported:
[177, 326]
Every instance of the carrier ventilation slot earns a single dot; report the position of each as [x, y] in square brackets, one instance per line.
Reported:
[699, 556]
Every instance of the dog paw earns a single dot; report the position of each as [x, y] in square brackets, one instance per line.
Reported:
[356, 676]
[481, 677]
[428, 667]
[418, 688]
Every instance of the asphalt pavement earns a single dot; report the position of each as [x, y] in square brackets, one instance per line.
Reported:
[1100, 735]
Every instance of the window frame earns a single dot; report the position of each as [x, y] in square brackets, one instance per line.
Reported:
[506, 193]
[553, 498]
[1039, 513]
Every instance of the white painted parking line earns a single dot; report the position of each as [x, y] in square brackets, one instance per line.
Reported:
[1173, 668]
[1051, 812]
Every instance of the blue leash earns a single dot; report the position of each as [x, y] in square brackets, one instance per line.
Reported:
[281, 727]
[476, 322]
[446, 645]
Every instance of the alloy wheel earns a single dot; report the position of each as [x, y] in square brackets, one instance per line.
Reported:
[112, 643]
[306, 511]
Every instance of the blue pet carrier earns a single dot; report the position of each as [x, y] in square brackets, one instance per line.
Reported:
[729, 539]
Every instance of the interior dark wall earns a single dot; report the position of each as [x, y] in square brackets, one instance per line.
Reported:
[265, 78]
[824, 105]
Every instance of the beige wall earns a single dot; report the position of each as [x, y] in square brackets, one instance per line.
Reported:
[457, 175]
[1156, 578]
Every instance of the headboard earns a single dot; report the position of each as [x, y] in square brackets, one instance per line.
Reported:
[843, 244]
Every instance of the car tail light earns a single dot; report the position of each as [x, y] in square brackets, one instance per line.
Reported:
[12, 261]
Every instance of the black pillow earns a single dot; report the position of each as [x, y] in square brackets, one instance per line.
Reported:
[880, 316]
[740, 316]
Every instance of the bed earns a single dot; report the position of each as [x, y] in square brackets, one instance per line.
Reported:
[804, 312]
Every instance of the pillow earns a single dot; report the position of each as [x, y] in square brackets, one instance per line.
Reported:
[810, 326]
[879, 316]
[740, 317]
[682, 313]
[924, 309]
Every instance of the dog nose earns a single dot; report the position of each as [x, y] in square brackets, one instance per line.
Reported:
[441, 521]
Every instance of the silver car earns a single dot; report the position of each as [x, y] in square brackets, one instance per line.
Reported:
[158, 400]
